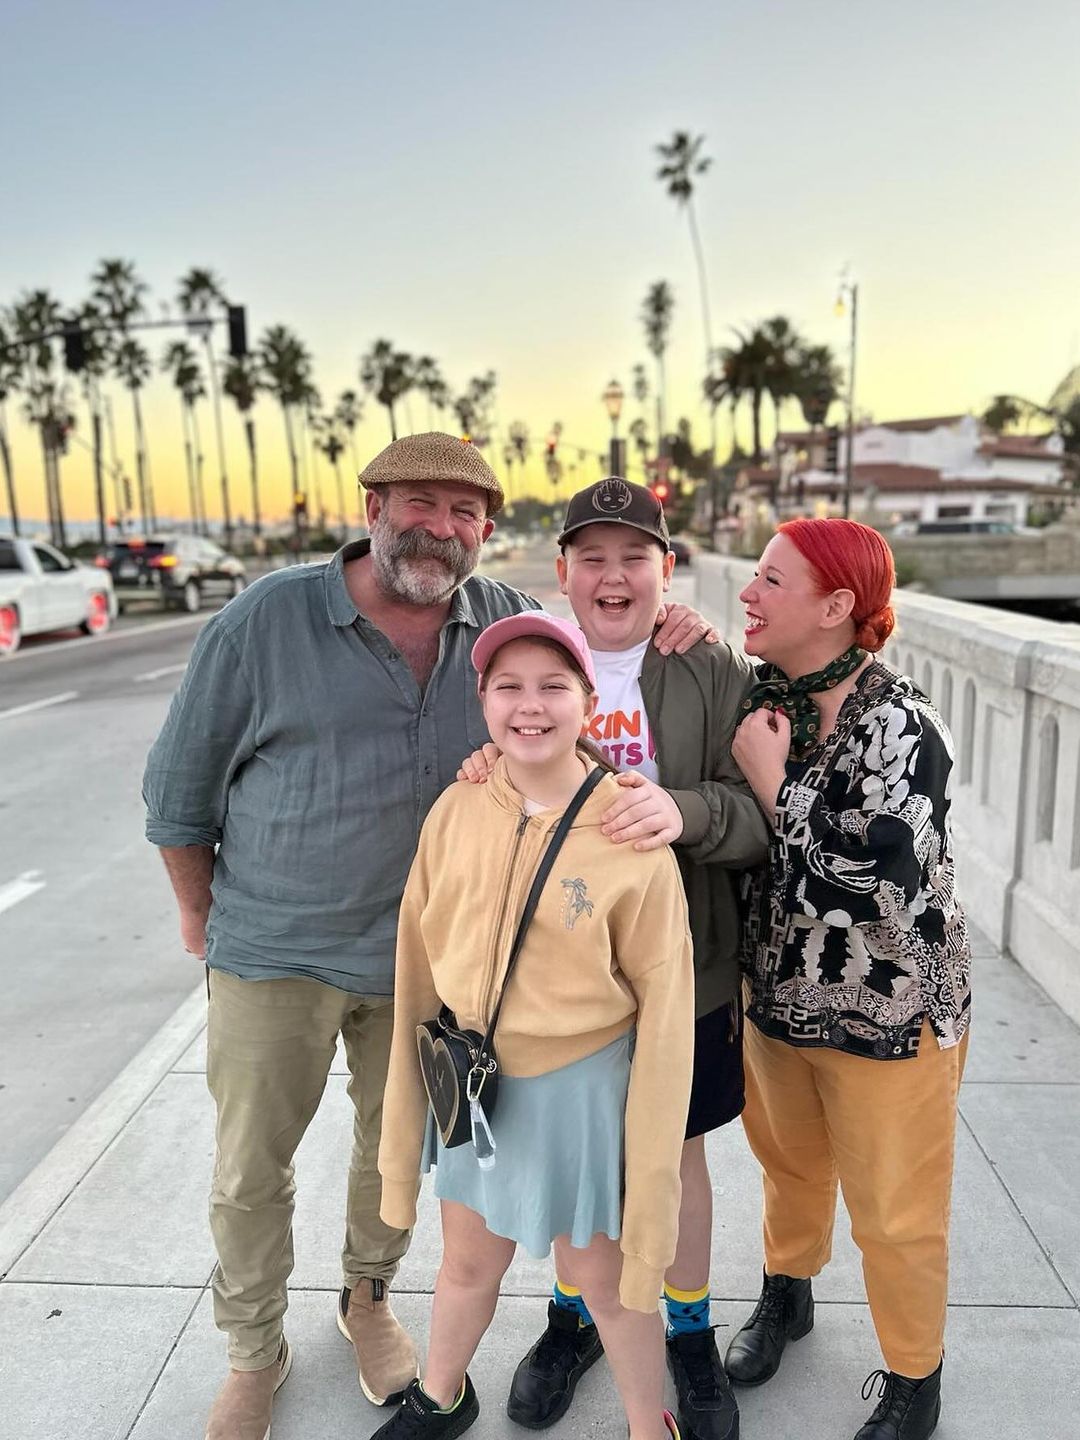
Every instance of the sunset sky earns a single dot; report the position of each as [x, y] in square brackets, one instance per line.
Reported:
[475, 181]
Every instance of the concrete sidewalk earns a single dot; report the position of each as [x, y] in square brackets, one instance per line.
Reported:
[105, 1314]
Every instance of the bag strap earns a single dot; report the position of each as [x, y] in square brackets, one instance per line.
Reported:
[543, 870]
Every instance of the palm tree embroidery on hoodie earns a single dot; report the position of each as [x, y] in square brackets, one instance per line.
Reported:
[575, 901]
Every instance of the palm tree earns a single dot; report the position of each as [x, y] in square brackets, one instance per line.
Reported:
[310, 420]
[473, 407]
[785, 348]
[120, 295]
[331, 444]
[387, 374]
[683, 161]
[133, 367]
[520, 447]
[11, 370]
[656, 315]
[1002, 412]
[817, 382]
[348, 412]
[1063, 412]
[180, 362]
[240, 382]
[37, 314]
[285, 370]
[200, 292]
[97, 358]
[427, 378]
[749, 367]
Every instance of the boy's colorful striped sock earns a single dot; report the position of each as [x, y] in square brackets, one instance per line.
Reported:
[687, 1310]
[568, 1297]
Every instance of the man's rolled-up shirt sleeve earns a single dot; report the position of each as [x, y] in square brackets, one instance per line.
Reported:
[208, 734]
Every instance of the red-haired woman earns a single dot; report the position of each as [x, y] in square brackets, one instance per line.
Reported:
[858, 964]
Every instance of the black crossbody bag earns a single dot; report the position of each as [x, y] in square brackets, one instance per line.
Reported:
[459, 1067]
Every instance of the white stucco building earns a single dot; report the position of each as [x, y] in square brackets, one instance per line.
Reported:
[940, 468]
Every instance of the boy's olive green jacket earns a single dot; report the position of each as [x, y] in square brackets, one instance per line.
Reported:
[694, 705]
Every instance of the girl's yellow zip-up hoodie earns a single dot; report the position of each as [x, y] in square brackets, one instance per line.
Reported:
[608, 949]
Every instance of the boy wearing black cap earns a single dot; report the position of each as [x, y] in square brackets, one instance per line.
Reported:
[666, 723]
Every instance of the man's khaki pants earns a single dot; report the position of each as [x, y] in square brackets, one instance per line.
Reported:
[270, 1044]
[886, 1130]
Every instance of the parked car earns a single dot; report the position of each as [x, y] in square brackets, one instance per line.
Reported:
[173, 571]
[41, 590]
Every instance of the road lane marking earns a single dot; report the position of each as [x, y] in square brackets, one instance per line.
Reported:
[39, 704]
[165, 670]
[21, 888]
[117, 633]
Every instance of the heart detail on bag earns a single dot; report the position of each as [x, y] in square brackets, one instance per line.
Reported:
[440, 1081]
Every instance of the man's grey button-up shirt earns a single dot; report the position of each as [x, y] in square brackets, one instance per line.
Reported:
[300, 745]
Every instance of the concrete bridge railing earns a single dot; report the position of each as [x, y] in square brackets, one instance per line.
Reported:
[1009, 688]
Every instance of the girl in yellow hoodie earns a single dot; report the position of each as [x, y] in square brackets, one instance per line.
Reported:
[591, 1039]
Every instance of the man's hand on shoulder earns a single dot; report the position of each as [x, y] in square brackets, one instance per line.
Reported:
[680, 627]
[478, 766]
[644, 813]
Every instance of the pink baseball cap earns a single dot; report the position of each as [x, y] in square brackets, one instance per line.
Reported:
[533, 623]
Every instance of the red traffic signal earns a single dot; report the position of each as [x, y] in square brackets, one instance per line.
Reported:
[662, 490]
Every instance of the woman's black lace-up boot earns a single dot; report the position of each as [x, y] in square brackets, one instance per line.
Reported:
[906, 1409]
[784, 1312]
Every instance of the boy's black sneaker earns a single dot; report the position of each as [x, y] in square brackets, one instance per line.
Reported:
[906, 1410]
[419, 1418]
[545, 1380]
[707, 1408]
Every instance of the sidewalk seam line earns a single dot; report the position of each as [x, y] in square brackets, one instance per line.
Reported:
[1016, 1206]
[164, 1364]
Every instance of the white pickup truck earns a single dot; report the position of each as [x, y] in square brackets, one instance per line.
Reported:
[41, 589]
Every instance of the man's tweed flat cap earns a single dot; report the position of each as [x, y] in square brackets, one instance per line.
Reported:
[434, 456]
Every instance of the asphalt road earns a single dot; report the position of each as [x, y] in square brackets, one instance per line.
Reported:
[90, 959]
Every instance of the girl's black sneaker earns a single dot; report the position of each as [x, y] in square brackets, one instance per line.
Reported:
[419, 1418]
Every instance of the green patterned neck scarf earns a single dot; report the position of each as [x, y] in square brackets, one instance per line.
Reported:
[777, 692]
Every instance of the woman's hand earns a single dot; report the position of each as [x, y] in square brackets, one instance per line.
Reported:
[644, 813]
[760, 749]
[478, 766]
[680, 627]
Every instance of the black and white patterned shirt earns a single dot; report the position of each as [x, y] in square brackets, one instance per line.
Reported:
[854, 932]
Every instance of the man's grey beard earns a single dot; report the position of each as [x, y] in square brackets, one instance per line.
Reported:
[394, 555]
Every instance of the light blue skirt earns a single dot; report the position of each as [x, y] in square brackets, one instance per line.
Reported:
[558, 1155]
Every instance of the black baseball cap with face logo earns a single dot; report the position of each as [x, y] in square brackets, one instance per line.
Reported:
[616, 501]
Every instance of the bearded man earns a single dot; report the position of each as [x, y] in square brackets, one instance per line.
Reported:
[322, 713]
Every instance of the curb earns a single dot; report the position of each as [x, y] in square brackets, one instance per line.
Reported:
[34, 1202]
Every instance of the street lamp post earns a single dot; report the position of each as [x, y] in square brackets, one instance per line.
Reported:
[850, 290]
[613, 398]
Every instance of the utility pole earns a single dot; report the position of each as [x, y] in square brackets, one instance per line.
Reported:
[850, 289]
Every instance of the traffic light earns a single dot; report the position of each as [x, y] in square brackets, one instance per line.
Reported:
[237, 332]
[299, 507]
[832, 449]
[662, 490]
[74, 347]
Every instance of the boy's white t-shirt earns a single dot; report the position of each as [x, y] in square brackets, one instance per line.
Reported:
[620, 726]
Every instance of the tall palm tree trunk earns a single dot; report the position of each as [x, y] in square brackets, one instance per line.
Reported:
[340, 496]
[189, 467]
[99, 467]
[9, 477]
[200, 489]
[140, 464]
[215, 392]
[703, 283]
[393, 422]
[61, 528]
[47, 473]
[294, 466]
[756, 411]
[256, 514]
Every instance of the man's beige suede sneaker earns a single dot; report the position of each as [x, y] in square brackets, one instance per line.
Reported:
[385, 1354]
[243, 1405]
